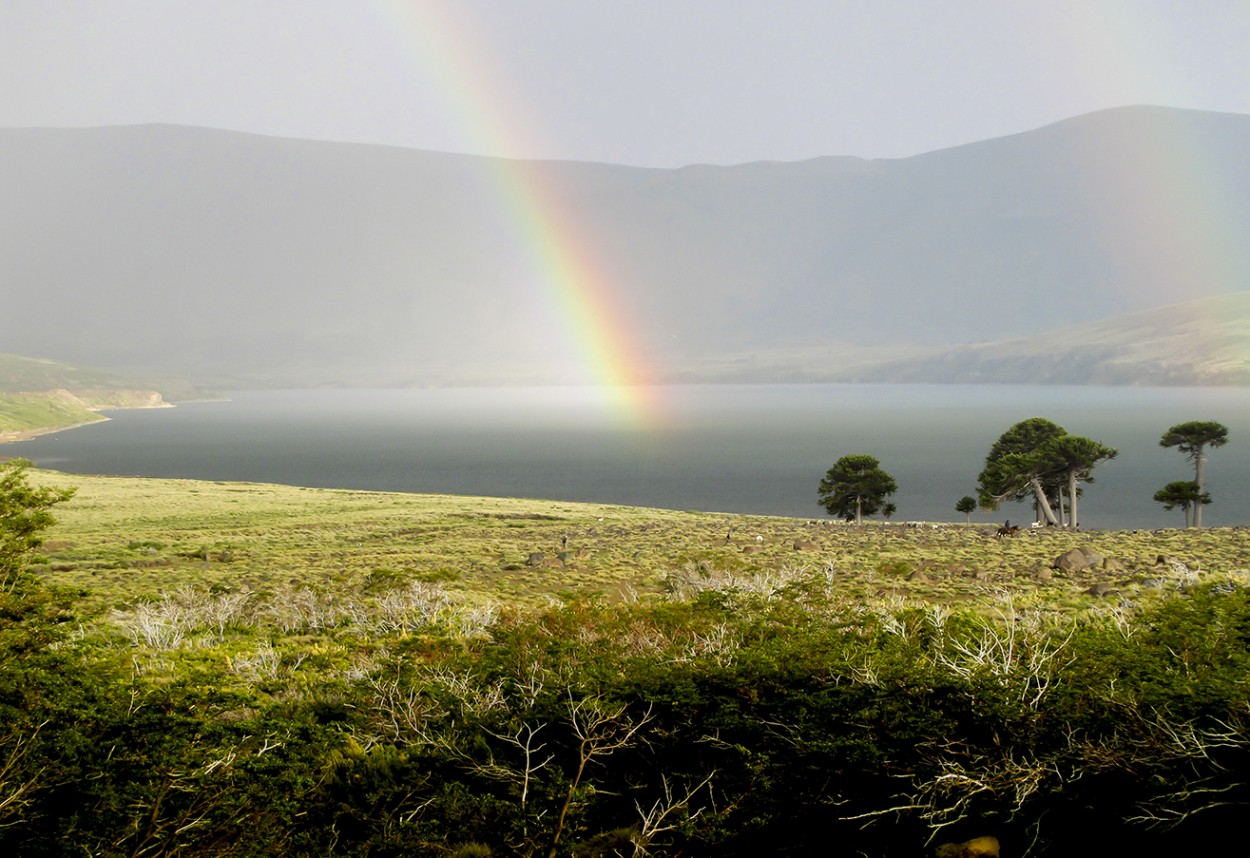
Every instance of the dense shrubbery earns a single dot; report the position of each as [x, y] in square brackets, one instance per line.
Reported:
[732, 723]
[740, 716]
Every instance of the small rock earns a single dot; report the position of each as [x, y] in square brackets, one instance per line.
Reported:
[1102, 588]
[537, 558]
[1174, 566]
[804, 546]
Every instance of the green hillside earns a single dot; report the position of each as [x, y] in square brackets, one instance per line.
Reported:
[22, 413]
[38, 395]
[22, 374]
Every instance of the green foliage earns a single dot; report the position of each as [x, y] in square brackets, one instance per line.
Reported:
[25, 513]
[854, 487]
[967, 505]
[1037, 458]
[999, 480]
[1193, 439]
[1185, 494]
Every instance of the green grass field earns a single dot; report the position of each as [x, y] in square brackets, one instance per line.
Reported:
[125, 538]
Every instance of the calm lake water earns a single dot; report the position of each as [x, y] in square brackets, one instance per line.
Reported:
[753, 449]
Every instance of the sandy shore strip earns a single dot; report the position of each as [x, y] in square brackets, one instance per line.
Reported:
[27, 434]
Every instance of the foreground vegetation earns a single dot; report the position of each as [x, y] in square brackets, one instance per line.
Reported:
[203, 669]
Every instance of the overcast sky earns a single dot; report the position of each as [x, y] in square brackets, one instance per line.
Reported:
[642, 82]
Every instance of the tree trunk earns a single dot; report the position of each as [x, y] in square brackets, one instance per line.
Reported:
[1039, 494]
[859, 510]
[1200, 468]
[1073, 519]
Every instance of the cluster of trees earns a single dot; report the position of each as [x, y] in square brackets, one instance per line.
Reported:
[1034, 460]
[1193, 439]
[737, 717]
[1038, 460]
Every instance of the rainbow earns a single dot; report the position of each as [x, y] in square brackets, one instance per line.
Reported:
[564, 271]
[1178, 242]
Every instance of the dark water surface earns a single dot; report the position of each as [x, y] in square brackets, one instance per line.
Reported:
[756, 449]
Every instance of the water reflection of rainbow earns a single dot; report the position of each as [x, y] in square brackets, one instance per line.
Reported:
[564, 271]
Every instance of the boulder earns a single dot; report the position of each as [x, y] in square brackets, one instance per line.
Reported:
[1077, 560]
[977, 847]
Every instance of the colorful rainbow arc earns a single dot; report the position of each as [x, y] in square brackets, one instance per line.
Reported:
[575, 284]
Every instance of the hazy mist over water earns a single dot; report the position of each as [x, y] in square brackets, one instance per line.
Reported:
[749, 449]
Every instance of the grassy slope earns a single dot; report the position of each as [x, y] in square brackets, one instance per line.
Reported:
[35, 395]
[124, 538]
[19, 374]
[22, 413]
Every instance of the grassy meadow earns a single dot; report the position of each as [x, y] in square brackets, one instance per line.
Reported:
[124, 538]
[200, 668]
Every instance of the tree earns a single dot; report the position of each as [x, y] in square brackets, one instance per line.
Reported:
[1011, 472]
[1193, 439]
[854, 487]
[966, 504]
[1073, 457]
[1186, 494]
[24, 515]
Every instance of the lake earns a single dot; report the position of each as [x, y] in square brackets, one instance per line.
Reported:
[750, 448]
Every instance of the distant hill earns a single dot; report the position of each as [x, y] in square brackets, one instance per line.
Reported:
[39, 395]
[1204, 342]
[100, 387]
[23, 374]
[260, 261]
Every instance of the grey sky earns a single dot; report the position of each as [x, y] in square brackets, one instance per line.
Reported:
[644, 82]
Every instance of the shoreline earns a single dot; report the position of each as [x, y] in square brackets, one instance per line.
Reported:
[27, 434]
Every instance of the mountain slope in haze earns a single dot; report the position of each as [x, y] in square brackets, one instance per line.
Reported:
[257, 260]
[1198, 343]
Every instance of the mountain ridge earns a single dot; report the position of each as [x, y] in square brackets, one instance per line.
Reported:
[263, 260]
